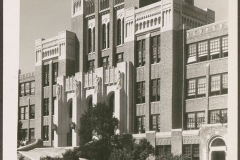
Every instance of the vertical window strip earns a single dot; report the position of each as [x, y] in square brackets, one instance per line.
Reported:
[202, 86]
[225, 81]
[225, 44]
[22, 89]
[32, 85]
[202, 48]
[27, 88]
[191, 120]
[214, 116]
[215, 83]
[191, 87]
[215, 46]
[200, 119]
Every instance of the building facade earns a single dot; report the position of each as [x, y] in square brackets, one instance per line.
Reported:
[161, 65]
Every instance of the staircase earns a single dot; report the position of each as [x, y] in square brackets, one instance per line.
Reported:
[37, 153]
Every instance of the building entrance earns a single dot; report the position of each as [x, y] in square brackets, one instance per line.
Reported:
[217, 149]
[218, 155]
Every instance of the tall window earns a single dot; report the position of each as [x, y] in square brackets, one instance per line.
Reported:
[155, 49]
[23, 114]
[141, 53]
[141, 124]
[32, 111]
[32, 87]
[196, 87]
[22, 90]
[105, 62]
[195, 120]
[225, 46]
[46, 75]
[141, 92]
[108, 35]
[55, 72]
[45, 133]
[191, 151]
[93, 39]
[70, 110]
[91, 65]
[163, 150]
[89, 40]
[203, 51]
[31, 134]
[192, 50]
[155, 90]
[119, 32]
[104, 38]
[53, 106]
[219, 84]
[215, 48]
[45, 107]
[27, 88]
[155, 122]
[218, 116]
[24, 134]
[119, 57]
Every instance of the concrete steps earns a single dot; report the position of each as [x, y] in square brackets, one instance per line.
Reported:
[37, 153]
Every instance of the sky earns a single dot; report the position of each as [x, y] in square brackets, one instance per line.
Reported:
[45, 18]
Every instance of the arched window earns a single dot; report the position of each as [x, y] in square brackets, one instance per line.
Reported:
[89, 40]
[103, 36]
[218, 142]
[119, 36]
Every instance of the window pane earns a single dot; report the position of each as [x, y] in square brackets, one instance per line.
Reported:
[225, 44]
[32, 88]
[192, 50]
[22, 89]
[215, 83]
[27, 89]
[190, 120]
[195, 150]
[214, 116]
[225, 81]
[187, 150]
[200, 119]
[22, 113]
[191, 87]
[32, 112]
[202, 48]
[215, 46]
[201, 86]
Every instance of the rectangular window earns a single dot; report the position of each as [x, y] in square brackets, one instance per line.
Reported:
[55, 73]
[202, 51]
[201, 86]
[27, 88]
[192, 50]
[104, 37]
[22, 90]
[195, 120]
[32, 111]
[105, 62]
[119, 57]
[45, 133]
[31, 134]
[163, 150]
[218, 116]
[141, 124]
[53, 105]
[225, 46]
[140, 53]
[155, 49]
[140, 92]
[23, 113]
[155, 122]
[91, 66]
[155, 90]
[191, 85]
[46, 107]
[24, 134]
[32, 87]
[219, 84]
[215, 48]
[46, 75]
[191, 151]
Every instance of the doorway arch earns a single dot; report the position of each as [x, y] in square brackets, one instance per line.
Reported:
[217, 149]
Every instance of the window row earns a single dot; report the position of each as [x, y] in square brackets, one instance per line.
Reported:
[154, 123]
[197, 119]
[27, 88]
[46, 74]
[190, 151]
[25, 136]
[207, 50]
[155, 51]
[27, 113]
[197, 87]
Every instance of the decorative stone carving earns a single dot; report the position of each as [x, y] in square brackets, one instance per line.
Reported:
[119, 80]
[58, 91]
[191, 140]
[77, 87]
[96, 84]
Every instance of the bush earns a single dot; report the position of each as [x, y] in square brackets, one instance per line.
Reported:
[50, 158]
[71, 155]
[172, 157]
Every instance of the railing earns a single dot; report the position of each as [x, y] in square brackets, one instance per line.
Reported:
[70, 84]
[89, 79]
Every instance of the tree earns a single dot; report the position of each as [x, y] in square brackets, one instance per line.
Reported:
[99, 120]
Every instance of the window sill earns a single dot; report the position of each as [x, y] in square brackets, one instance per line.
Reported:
[120, 45]
[220, 95]
[211, 60]
[197, 98]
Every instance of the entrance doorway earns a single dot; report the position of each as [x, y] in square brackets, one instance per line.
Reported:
[217, 149]
[218, 155]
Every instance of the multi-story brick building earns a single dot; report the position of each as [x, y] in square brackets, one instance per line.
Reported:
[161, 65]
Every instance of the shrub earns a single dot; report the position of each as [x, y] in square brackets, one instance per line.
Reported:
[50, 158]
[71, 155]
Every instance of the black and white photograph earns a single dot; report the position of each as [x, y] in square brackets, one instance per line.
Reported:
[121, 80]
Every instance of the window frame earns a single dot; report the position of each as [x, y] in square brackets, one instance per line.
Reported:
[46, 107]
[141, 53]
[32, 88]
[222, 90]
[195, 89]
[45, 132]
[141, 92]
[105, 65]
[155, 85]
[216, 119]
[157, 125]
[32, 111]
[190, 152]
[162, 150]
[155, 46]
[141, 124]
[91, 65]
[46, 75]
[195, 121]
[54, 73]
[119, 60]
